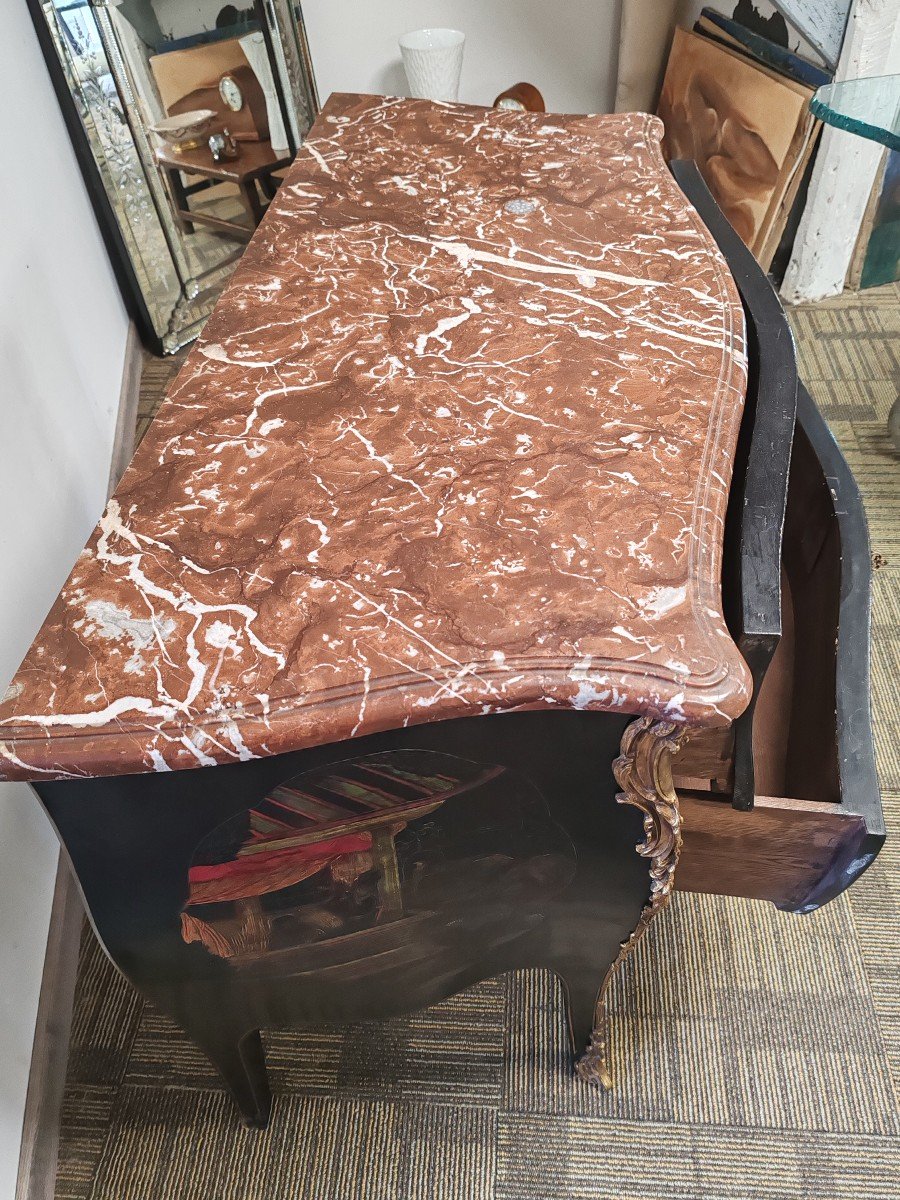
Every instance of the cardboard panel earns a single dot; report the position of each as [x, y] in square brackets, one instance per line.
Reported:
[183, 71]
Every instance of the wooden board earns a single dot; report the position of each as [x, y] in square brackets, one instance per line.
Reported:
[779, 851]
[778, 217]
[706, 763]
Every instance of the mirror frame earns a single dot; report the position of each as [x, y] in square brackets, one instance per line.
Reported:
[296, 64]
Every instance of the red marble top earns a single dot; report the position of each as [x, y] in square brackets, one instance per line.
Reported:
[457, 439]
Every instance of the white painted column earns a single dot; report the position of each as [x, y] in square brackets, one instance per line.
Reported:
[846, 165]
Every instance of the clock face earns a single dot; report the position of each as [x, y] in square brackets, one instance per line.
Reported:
[231, 93]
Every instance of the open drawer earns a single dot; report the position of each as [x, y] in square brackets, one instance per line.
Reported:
[817, 822]
[784, 806]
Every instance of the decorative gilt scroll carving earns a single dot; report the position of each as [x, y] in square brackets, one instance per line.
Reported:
[644, 772]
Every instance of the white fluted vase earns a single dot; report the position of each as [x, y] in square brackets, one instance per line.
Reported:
[433, 62]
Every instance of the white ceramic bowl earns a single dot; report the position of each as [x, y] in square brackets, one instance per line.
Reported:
[184, 131]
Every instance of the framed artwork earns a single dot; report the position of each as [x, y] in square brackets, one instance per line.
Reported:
[747, 128]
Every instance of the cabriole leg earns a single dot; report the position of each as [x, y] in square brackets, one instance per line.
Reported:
[644, 772]
[240, 1060]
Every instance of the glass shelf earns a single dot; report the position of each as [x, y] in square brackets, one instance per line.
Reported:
[869, 107]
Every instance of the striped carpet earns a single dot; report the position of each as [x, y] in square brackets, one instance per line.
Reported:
[757, 1053]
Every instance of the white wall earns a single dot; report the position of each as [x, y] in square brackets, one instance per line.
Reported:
[567, 48]
[62, 342]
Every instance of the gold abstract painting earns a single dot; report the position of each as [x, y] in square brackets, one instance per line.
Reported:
[746, 128]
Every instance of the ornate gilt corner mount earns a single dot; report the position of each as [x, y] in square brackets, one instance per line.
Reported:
[644, 772]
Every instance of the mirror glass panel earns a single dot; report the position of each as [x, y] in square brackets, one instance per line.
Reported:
[184, 114]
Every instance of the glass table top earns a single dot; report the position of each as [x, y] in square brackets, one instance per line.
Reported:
[869, 107]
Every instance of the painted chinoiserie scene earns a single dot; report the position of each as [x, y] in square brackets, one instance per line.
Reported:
[367, 867]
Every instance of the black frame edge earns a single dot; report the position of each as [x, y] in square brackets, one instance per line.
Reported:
[106, 220]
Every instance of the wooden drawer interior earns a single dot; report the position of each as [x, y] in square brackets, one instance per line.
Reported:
[799, 831]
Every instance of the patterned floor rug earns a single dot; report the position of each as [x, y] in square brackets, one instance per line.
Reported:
[757, 1053]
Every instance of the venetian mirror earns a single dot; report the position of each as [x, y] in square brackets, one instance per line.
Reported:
[182, 114]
